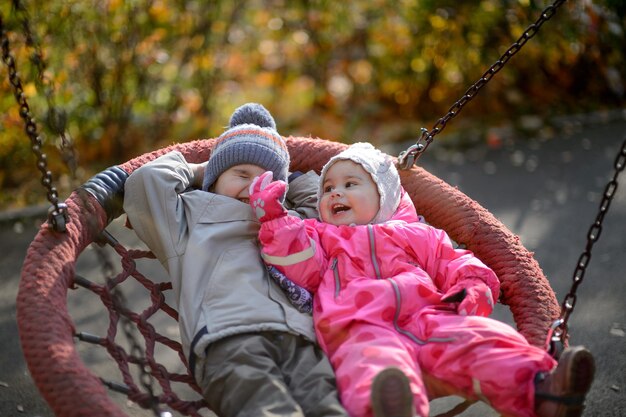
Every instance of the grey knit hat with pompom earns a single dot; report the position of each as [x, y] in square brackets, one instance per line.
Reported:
[250, 139]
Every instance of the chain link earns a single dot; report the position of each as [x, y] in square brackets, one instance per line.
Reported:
[56, 119]
[57, 214]
[560, 328]
[408, 157]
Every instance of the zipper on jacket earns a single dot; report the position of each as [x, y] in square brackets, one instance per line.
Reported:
[370, 231]
[333, 266]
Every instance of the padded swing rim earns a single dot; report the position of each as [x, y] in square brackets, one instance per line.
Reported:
[47, 331]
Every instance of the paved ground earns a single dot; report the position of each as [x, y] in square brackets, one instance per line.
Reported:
[546, 191]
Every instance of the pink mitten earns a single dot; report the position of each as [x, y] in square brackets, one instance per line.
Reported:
[474, 298]
[266, 196]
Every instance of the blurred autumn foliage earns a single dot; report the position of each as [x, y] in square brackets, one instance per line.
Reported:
[125, 77]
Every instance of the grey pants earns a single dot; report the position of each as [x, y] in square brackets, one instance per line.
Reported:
[269, 374]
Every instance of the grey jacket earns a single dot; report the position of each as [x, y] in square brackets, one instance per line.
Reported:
[208, 245]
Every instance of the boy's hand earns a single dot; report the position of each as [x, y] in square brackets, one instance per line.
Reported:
[475, 298]
[266, 196]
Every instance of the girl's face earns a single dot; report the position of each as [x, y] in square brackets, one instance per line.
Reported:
[235, 181]
[349, 196]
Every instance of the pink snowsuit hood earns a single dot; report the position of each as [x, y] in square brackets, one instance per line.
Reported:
[406, 209]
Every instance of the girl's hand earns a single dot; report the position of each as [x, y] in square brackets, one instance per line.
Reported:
[266, 196]
[474, 298]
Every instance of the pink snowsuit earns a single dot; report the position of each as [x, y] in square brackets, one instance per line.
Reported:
[378, 290]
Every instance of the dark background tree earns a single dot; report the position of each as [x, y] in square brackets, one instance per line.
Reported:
[132, 76]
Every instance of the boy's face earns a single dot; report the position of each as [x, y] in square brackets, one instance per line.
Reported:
[235, 181]
[349, 196]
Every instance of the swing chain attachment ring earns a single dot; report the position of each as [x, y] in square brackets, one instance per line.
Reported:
[58, 217]
[408, 157]
[554, 341]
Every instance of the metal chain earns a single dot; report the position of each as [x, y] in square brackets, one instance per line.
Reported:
[408, 157]
[57, 214]
[56, 119]
[58, 217]
[558, 331]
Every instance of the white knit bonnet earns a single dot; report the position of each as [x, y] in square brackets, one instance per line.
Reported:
[383, 171]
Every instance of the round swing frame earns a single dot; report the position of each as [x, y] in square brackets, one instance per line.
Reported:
[47, 332]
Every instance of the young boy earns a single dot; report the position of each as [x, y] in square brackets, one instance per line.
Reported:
[392, 297]
[251, 352]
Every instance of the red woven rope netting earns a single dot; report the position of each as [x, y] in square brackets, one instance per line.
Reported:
[48, 333]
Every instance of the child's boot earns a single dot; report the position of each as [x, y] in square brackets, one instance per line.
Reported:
[561, 393]
[391, 394]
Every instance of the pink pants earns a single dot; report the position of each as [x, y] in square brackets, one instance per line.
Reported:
[483, 359]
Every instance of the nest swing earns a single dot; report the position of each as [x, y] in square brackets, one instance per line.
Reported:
[47, 332]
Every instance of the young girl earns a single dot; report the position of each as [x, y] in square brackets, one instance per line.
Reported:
[392, 292]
